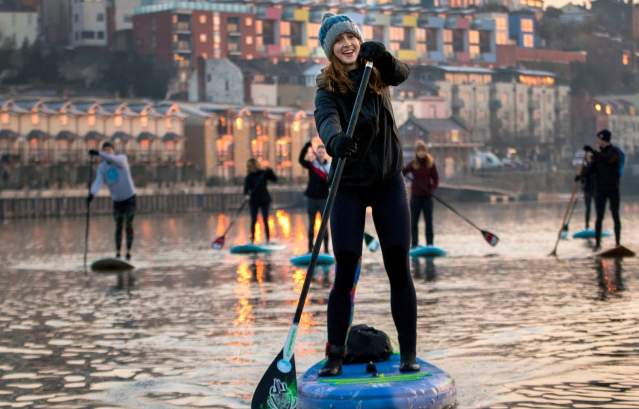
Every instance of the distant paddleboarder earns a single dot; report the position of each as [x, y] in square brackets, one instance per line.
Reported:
[606, 168]
[114, 171]
[425, 180]
[372, 177]
[256, 187]
[317, 188]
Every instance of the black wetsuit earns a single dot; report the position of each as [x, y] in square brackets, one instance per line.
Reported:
[255, 183]
[372, 178]
[605, 169]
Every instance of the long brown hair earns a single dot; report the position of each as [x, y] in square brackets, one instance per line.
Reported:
[334, 77]
[421, 145]
[252, 165]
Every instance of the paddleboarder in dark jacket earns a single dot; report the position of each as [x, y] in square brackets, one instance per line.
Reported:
[372, 177]
[425, 180]
[255, 185]
[606, 169]
[114, 171]
[317, 187]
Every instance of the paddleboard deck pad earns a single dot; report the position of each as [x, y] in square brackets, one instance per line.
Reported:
[589, 234]
[431, 388]
[110, 265]
[305, 259]
[256, 248]
[427, 251]
[617, 252]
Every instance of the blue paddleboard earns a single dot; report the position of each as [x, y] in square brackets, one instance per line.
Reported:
[427, 251]
[589, 234]
[305, 259]
[255, 248]
[431, 388]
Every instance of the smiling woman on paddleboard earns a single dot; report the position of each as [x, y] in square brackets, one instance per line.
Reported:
[372, 177]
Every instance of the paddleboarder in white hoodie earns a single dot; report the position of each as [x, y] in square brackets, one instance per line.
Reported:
[114, 171]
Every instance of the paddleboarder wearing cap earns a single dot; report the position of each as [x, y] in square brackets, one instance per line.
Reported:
[372, 177]
[114, 171]
[256, 188]
[425, 180]
[317, 188]
[606, 169]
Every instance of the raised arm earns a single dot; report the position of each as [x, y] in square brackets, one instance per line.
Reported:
[270, 175]
[392, 70]
[118, 161]
[302, 159]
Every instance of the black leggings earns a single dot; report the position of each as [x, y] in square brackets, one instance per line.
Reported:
[314, 206]
[417, 206]
[254, 209]
[123, 214]
[392, 222]
[600, 206]
[588, 199]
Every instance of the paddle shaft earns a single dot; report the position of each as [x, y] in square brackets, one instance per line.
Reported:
[565, 218]
[88, 217]
[328, 207]
[452, 209]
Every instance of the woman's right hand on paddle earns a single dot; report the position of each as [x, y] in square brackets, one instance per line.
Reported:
[342, 146]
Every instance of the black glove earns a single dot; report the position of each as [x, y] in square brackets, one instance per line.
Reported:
[588, 148]
[577, 178]
[90, 198]
[342, 146]
[372, 51]
[94, 152]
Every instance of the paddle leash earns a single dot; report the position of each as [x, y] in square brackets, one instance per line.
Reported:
[88, 217]
[491, 238]
[564, 221]
[278, 386]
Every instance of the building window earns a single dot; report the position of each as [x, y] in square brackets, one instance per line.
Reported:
[64, 119]
[248, 22]
[527, 25]
[100, 17]
[268, 32]
[91, 119]
[100, 35]
[76, 18]
[88, 35]
[203, 38]
[485, 43]
[421, 35]
[4, 118]
[473, 37]
[249, 40]
[117, 120]
[297, 33]
[35, 119]
[233, 24]
[174, 18]
[168, 122]
[285, 28]
[208, 78]
[502, 38]
[431, 39]
[144, 120]
[528, 41]
[501, 24]
[458, 40]
[202, 18]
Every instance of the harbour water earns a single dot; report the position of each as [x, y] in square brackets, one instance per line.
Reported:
[193, 327]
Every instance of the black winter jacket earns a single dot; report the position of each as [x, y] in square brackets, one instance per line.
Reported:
[606, 169]
[255, 184]
[379, 153]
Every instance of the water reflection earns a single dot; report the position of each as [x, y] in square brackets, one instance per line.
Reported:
[609, 277]
[424, 268]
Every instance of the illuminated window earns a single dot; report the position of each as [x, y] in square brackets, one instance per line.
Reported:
[174, 18]
[420, 35]
[285, 28]
[248, 22]
[168, 123]
[527, 25]
[249, 40]
[473, 37]
[397, 33]
[454, 135]
[203, 19]
[91, 119]
[144, 120]
[4, 118]
[529, 41]
[448, 36]
[203, 38]
[238, 123]
[502, 38]
[64, 119]
[366, 30]
[501, 23]
[35, 119]
[625, 59]
[608, 110]
[117, 120]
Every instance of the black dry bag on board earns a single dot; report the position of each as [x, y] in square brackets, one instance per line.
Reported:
[366, 344]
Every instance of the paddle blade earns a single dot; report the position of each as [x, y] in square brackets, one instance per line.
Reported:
[372, 244]
[218, 243]
[277, 389]
[490, 238]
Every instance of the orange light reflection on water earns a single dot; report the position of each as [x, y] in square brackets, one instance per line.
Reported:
[221, 224]
[299, 275]
[243, 308]
[284, 221]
